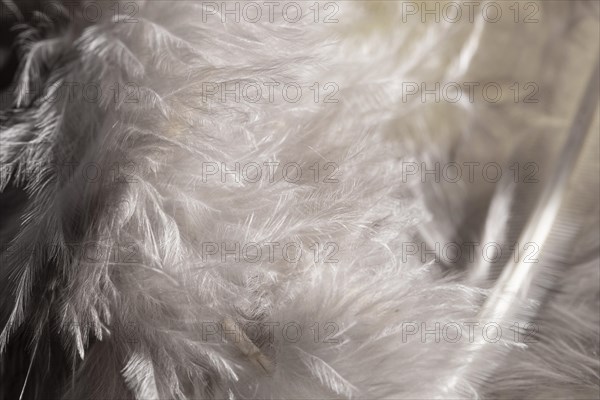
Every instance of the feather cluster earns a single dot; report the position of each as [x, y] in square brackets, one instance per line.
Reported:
[206, 204]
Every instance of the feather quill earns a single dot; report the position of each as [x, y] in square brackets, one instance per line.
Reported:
[513, 289]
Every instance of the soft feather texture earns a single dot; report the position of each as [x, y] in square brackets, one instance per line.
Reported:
[108, 283]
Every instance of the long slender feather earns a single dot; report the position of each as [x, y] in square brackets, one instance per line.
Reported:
[514, 286]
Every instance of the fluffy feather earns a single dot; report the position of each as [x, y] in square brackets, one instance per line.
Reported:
[108, 283]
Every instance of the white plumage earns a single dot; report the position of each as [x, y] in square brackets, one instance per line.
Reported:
[222, 209]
